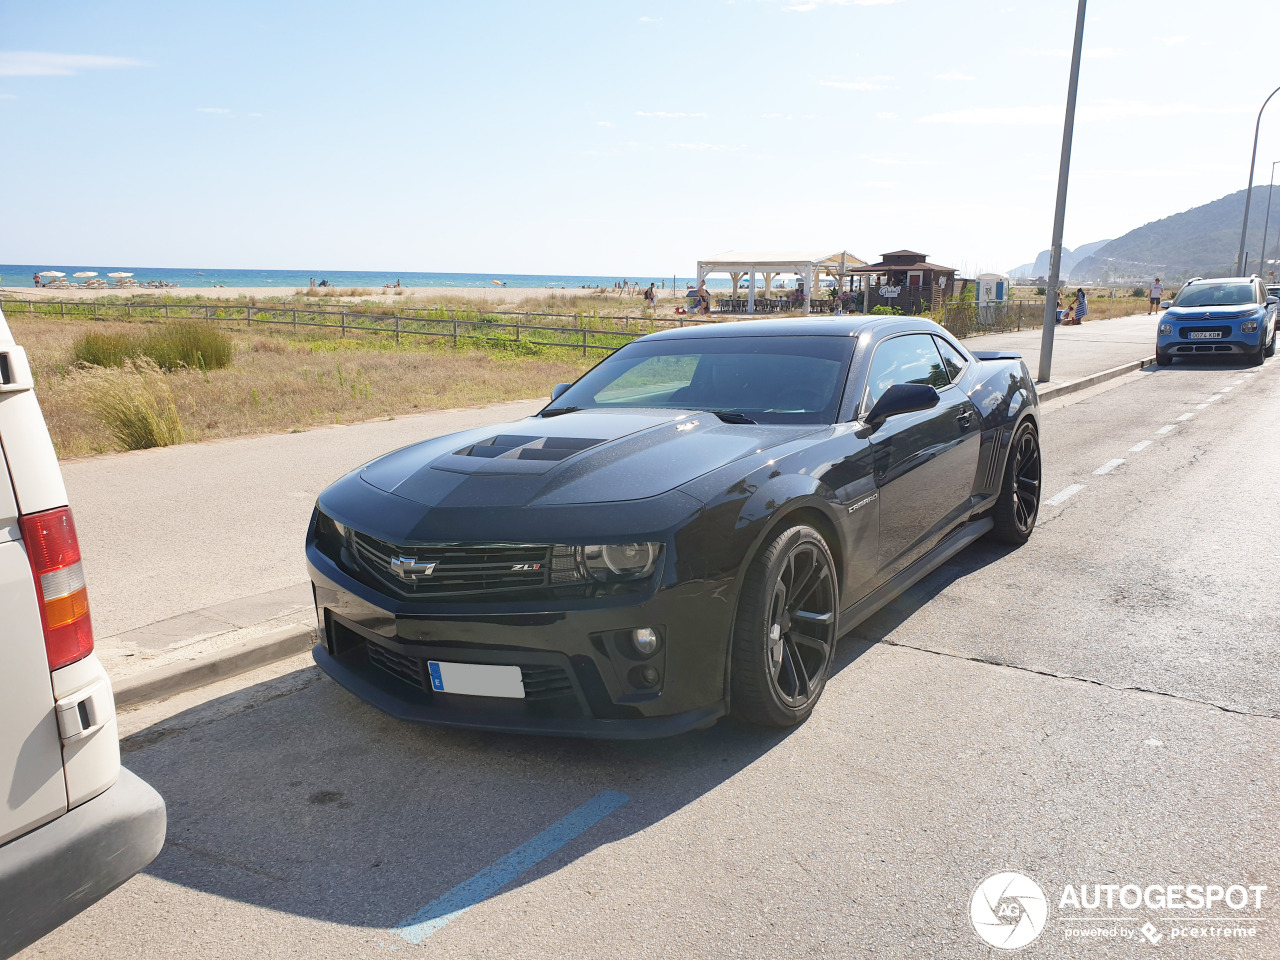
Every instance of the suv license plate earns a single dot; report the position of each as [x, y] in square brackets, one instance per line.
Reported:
[476, 679]
[1204, 335]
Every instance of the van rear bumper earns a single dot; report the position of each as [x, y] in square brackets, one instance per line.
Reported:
[49, 875]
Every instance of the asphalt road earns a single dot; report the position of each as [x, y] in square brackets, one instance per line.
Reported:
[1100, 706]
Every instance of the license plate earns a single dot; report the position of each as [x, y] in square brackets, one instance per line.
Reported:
[476, 679]
[1204, 335]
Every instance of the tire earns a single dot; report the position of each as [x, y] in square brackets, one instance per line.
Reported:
[1019, 502]
[1258, 356]
[1270, 351]
[784, 636]
[1163, 359]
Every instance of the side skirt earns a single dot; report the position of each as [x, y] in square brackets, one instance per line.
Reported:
[952, 544]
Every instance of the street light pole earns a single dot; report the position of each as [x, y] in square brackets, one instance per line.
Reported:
[1248, 190]
[1262, 260]
[1059, 213]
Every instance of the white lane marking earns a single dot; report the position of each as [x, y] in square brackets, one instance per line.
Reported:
[1201, 406]
[1248, 374]
[1216, 396]
[1237, 382]
[1137, 447]
[1107, 467]
[1186, 416]
[1070, 491]
[1166, 428]
[1225, 389]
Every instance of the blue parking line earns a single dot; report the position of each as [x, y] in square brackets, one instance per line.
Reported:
[497, 875]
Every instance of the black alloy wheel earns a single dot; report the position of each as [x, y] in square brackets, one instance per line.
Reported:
[786, 630]
[1019, 503]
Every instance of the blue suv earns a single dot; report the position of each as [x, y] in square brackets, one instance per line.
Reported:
[1220, 316]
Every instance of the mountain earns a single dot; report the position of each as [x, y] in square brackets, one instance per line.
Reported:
[1201, 241]
[1040, 266]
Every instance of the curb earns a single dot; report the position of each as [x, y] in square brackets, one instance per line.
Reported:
[1058, 390]
[164, 681]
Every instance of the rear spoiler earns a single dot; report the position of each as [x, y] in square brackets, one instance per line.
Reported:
[996, 354]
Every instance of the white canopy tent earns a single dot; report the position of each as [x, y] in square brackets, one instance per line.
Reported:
[806, 264]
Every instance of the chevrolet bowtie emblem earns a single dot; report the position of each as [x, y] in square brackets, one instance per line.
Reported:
[411, 568]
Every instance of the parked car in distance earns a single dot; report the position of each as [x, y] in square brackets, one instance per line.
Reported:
[683, 533]
[74, 824]
[1222, 316]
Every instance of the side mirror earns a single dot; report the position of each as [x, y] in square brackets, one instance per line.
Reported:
[1166, 304]
[1271, 300]
[558, 389]
[902, 398]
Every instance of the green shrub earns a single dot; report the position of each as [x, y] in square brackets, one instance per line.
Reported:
[1139, 292]
[880, 308]
[105, 349]
[188, 343]
[134, 403]
[1040, 291]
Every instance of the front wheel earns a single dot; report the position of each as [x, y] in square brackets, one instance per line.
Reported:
[784, 637]
[1258, 356]
[1270, 351]
[1019, 502]
[1163, 359]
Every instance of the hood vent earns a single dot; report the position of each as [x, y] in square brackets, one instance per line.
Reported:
[509, 447]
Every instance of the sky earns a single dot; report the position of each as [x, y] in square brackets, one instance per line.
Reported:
[611, 136]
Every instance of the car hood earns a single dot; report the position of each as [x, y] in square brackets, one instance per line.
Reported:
[585, 457]
[1234, 312]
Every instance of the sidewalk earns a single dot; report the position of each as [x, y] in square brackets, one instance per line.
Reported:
[194, 553]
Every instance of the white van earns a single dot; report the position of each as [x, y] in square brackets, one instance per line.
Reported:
[74, 824]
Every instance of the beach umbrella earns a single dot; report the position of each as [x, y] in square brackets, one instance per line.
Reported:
[117, 276]
[86, 273]
[52, 273]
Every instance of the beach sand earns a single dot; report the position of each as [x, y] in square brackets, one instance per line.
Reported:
[492, 295]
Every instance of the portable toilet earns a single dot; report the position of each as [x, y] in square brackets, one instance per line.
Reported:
[992, 287]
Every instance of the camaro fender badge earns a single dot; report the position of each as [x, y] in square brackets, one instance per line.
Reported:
[411, 568]
[864, 501]
[525, 567]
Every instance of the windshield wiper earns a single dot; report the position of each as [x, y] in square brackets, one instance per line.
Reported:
[556, 411]
[730, 417]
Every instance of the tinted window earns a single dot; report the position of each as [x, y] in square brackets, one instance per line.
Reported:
[769, 379]
[1216, 295]
[909, 359]
[952, 360]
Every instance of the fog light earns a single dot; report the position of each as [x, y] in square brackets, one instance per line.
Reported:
[1249, 326]
[645, 640]
[1166, 328]
[644, 678]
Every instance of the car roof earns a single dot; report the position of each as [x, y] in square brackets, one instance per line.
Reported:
[1221, 280]
[795, 327]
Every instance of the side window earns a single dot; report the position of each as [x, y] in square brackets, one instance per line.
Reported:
[909, 359]
[952, 360]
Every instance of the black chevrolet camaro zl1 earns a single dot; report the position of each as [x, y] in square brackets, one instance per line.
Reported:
[682, 534]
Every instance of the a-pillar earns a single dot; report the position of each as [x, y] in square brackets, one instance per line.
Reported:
[751, 292]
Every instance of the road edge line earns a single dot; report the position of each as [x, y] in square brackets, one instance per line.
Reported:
[157, 683]
[1061, 389]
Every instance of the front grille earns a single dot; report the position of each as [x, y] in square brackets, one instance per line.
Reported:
[453, 569]
[1222, 332]
[540, 682]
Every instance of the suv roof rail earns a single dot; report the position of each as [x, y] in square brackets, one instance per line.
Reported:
[1193, 280]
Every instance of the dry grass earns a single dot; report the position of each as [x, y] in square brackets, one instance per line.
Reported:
[134, 402]
[279, 382]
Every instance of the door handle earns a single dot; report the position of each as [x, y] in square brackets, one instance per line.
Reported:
[965, 418]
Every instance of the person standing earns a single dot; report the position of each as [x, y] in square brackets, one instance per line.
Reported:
[36, 278]
[651, 298]
[1157, 296]
[704, 297]
[1079, 310]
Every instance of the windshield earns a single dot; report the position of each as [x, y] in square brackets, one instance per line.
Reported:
[768, 379]
[1215, 295]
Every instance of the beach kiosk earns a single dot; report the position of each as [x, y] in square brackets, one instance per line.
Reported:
[808, 266]
[993, 287]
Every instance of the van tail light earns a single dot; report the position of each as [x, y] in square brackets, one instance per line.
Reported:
[54, 552]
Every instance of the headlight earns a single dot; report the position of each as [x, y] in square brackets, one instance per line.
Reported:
[1166, 328]
[1249, 326]
[620, 561]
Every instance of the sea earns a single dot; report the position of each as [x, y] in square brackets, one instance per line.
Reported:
[20, 274]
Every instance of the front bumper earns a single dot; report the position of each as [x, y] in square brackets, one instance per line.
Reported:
[581, 677]
[49, 875]
[1175, 347]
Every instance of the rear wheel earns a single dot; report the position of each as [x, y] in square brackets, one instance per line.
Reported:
[1019, 502]
[784, 637]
